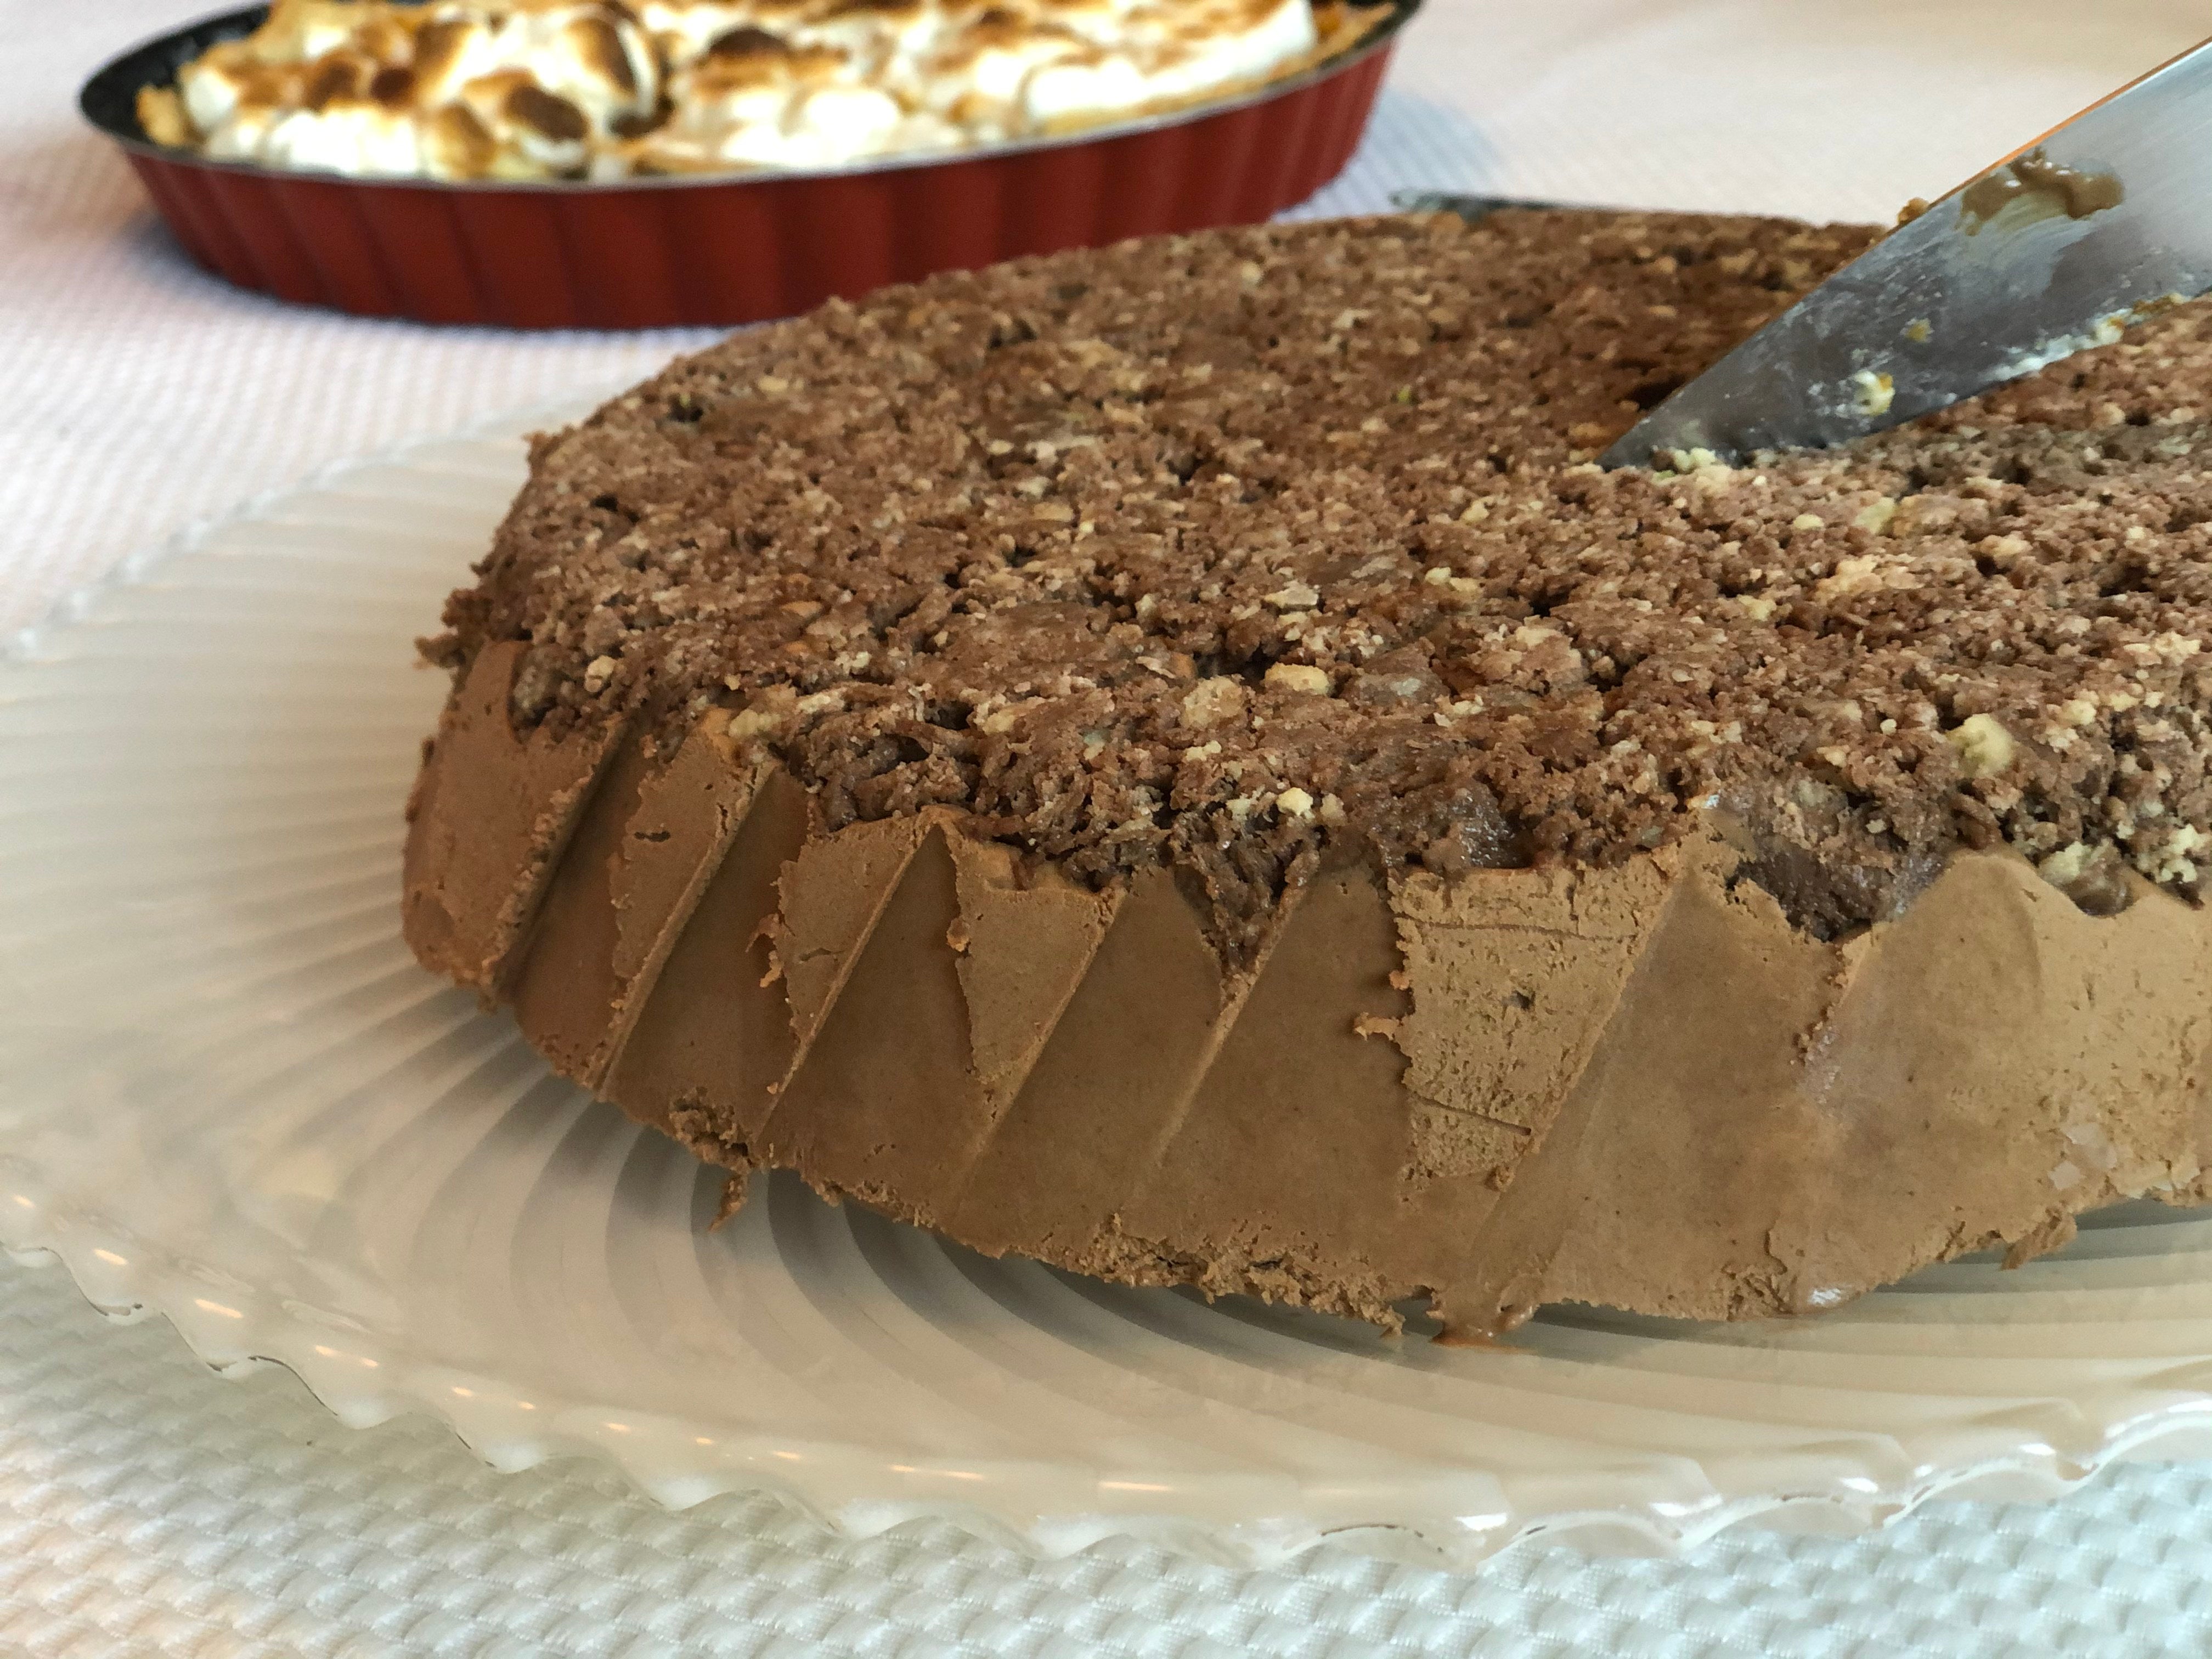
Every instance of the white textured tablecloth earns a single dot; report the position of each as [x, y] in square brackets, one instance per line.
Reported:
[148, 1507]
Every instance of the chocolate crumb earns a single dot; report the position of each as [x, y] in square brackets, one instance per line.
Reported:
[997, 533]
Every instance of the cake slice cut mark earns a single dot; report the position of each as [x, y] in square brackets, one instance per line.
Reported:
[882, 1104]
[1024, 950]
[2019, 1123]
[1693, 1172]
[687, 814]
[643, 851]
[566, 991]
[1283, 1172]
[1021, 952]
[829, 899]
[1514, 976]
[1132, 1041]
[713, 1036]
[493, 815]
[1665, 1148]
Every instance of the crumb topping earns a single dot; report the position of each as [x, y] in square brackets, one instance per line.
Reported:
[1222, 551]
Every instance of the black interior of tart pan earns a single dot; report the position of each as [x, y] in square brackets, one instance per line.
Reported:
[110, 99]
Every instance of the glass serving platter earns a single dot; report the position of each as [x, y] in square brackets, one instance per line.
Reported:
[229, 1097]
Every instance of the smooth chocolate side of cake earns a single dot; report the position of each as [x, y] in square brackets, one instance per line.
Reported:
[1641, 1087]
[1172, 762]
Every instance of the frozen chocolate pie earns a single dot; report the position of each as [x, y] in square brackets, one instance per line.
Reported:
[1174, 761]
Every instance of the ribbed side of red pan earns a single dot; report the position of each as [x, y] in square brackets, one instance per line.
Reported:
[727, 249]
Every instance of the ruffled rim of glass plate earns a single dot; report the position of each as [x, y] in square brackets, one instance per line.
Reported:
[2054, 1449]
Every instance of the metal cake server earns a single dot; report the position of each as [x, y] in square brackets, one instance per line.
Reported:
[2058, 246]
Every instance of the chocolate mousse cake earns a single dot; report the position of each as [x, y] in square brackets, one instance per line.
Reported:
[1174, 761]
